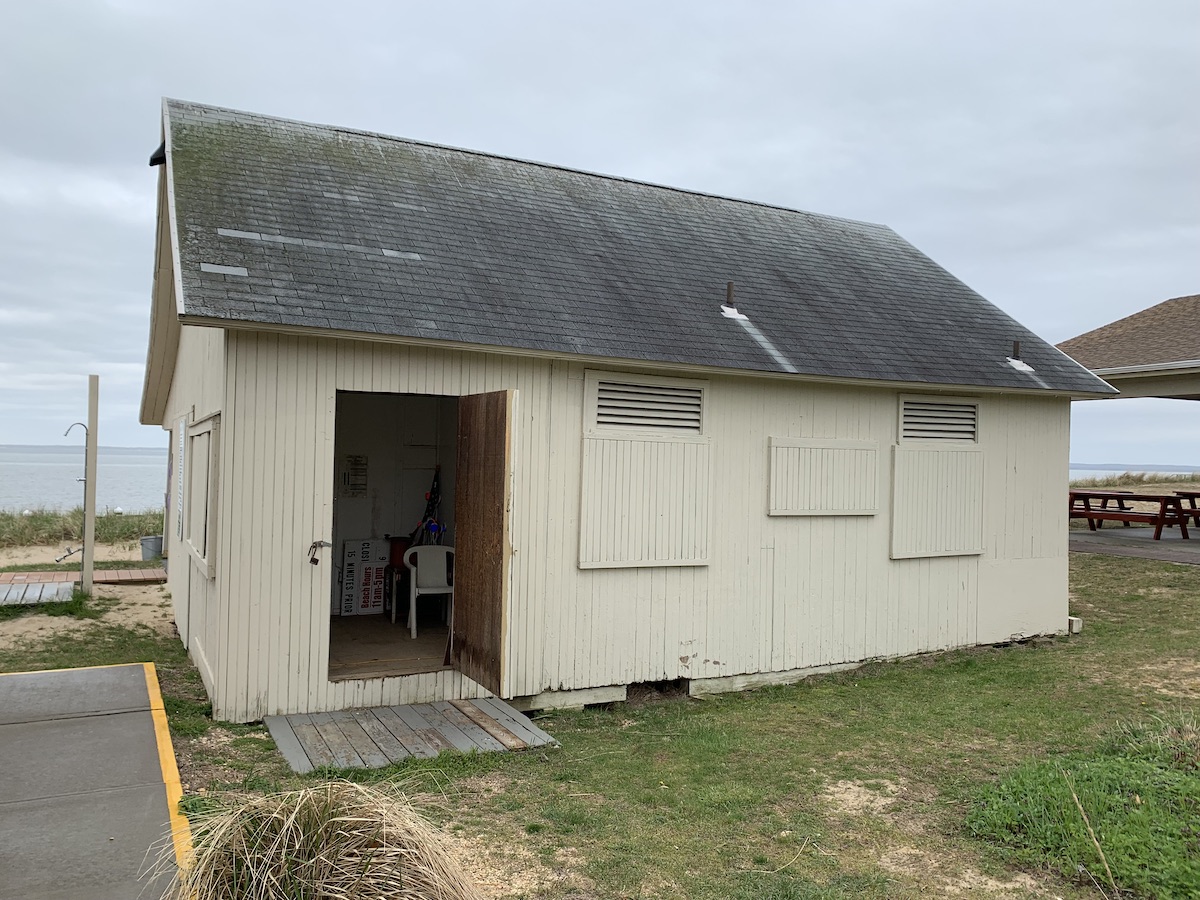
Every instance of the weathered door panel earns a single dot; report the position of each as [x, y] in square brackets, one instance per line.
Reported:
[482, 499]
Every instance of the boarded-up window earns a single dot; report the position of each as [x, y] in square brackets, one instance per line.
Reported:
[201, 497]
[646, 473]
[818, 477]
[937, 502]
[935, 419]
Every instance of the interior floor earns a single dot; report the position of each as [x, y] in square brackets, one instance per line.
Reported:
[372, 647]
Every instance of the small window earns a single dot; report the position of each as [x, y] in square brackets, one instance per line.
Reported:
[926, 419]
[648, 404]
[199, 522]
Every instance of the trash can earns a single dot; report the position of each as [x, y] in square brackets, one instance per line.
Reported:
[151, 547]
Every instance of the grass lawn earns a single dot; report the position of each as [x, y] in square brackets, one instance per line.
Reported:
[854, 785]
[99, 565]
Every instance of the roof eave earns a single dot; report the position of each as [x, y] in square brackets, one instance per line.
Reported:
[1180, 367]
[162, 346]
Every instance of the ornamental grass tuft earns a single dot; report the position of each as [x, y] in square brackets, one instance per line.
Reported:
[336, 839]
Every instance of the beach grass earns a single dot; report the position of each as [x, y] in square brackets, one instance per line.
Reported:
[43, 527]
[1137, 479]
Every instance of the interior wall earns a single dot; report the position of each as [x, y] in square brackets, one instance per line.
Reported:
[403, 437]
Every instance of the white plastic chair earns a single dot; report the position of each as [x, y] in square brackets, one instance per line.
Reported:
[429, 567]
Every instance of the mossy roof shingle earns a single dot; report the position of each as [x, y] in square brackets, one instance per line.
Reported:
[346, 230]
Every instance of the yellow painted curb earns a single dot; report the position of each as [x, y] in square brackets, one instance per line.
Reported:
[181, 832]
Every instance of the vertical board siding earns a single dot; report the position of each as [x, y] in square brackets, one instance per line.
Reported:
[776, 593]
[197, 391]
[823, 477]
[645, 502]
[937, 502]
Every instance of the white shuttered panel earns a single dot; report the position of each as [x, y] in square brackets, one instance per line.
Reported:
[818, 477]
[937, 502]
[646, 502]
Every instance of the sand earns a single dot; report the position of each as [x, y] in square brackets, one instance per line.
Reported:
[19, 556]
[136, 604]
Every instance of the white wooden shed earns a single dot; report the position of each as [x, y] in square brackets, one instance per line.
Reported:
[643, 479]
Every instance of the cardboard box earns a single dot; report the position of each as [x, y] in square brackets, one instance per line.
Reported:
[363, 563]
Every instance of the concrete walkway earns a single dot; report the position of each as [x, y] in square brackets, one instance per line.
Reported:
[88, 785]
[1137, 542]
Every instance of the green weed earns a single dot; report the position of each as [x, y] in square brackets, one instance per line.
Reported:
[80, 606]
[1126, 815]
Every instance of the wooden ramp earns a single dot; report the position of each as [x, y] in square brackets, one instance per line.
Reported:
[30, 593]
[374, 738]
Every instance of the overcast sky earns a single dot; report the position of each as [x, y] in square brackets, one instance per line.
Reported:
[1045, 153]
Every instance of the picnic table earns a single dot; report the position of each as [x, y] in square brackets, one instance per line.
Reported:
[1191, 497]
[1116, 506]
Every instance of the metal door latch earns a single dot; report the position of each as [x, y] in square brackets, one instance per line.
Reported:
[313, 548]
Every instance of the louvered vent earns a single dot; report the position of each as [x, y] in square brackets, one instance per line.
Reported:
[935, 420]
[654, 407]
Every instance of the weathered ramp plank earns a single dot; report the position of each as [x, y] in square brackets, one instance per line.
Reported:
[28, 594]
[374, 738]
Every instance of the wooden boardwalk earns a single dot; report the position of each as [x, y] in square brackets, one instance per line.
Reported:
[374, 738]
[99, 576]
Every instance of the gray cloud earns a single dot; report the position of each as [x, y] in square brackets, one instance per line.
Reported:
[1044, 153]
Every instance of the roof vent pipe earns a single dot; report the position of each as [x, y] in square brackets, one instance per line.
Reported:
[728, 310]
[1016, 350]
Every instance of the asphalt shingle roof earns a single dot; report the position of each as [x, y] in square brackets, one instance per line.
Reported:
[346, 230]
[1166, 333]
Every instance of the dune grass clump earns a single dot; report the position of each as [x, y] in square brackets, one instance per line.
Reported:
[43, 527]
[336, 839]
[1135, 479]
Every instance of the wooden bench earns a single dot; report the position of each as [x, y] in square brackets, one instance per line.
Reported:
[1170, 510]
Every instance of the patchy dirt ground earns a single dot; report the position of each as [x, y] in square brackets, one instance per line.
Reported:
[500, 861]
[1178, 678]
[131, 604]
[26, 556]
[892, 824]
[509, 869]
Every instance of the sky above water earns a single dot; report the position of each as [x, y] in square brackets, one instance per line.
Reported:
[1045, 153]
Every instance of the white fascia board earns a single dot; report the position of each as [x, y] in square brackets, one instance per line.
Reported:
[630, 365]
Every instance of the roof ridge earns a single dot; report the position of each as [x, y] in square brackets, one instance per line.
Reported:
[529, 162]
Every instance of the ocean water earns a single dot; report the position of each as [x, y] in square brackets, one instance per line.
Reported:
[130, 478]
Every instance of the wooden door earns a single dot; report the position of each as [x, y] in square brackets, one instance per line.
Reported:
[482, 498]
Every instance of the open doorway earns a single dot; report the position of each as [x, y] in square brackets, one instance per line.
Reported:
[394, 487]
